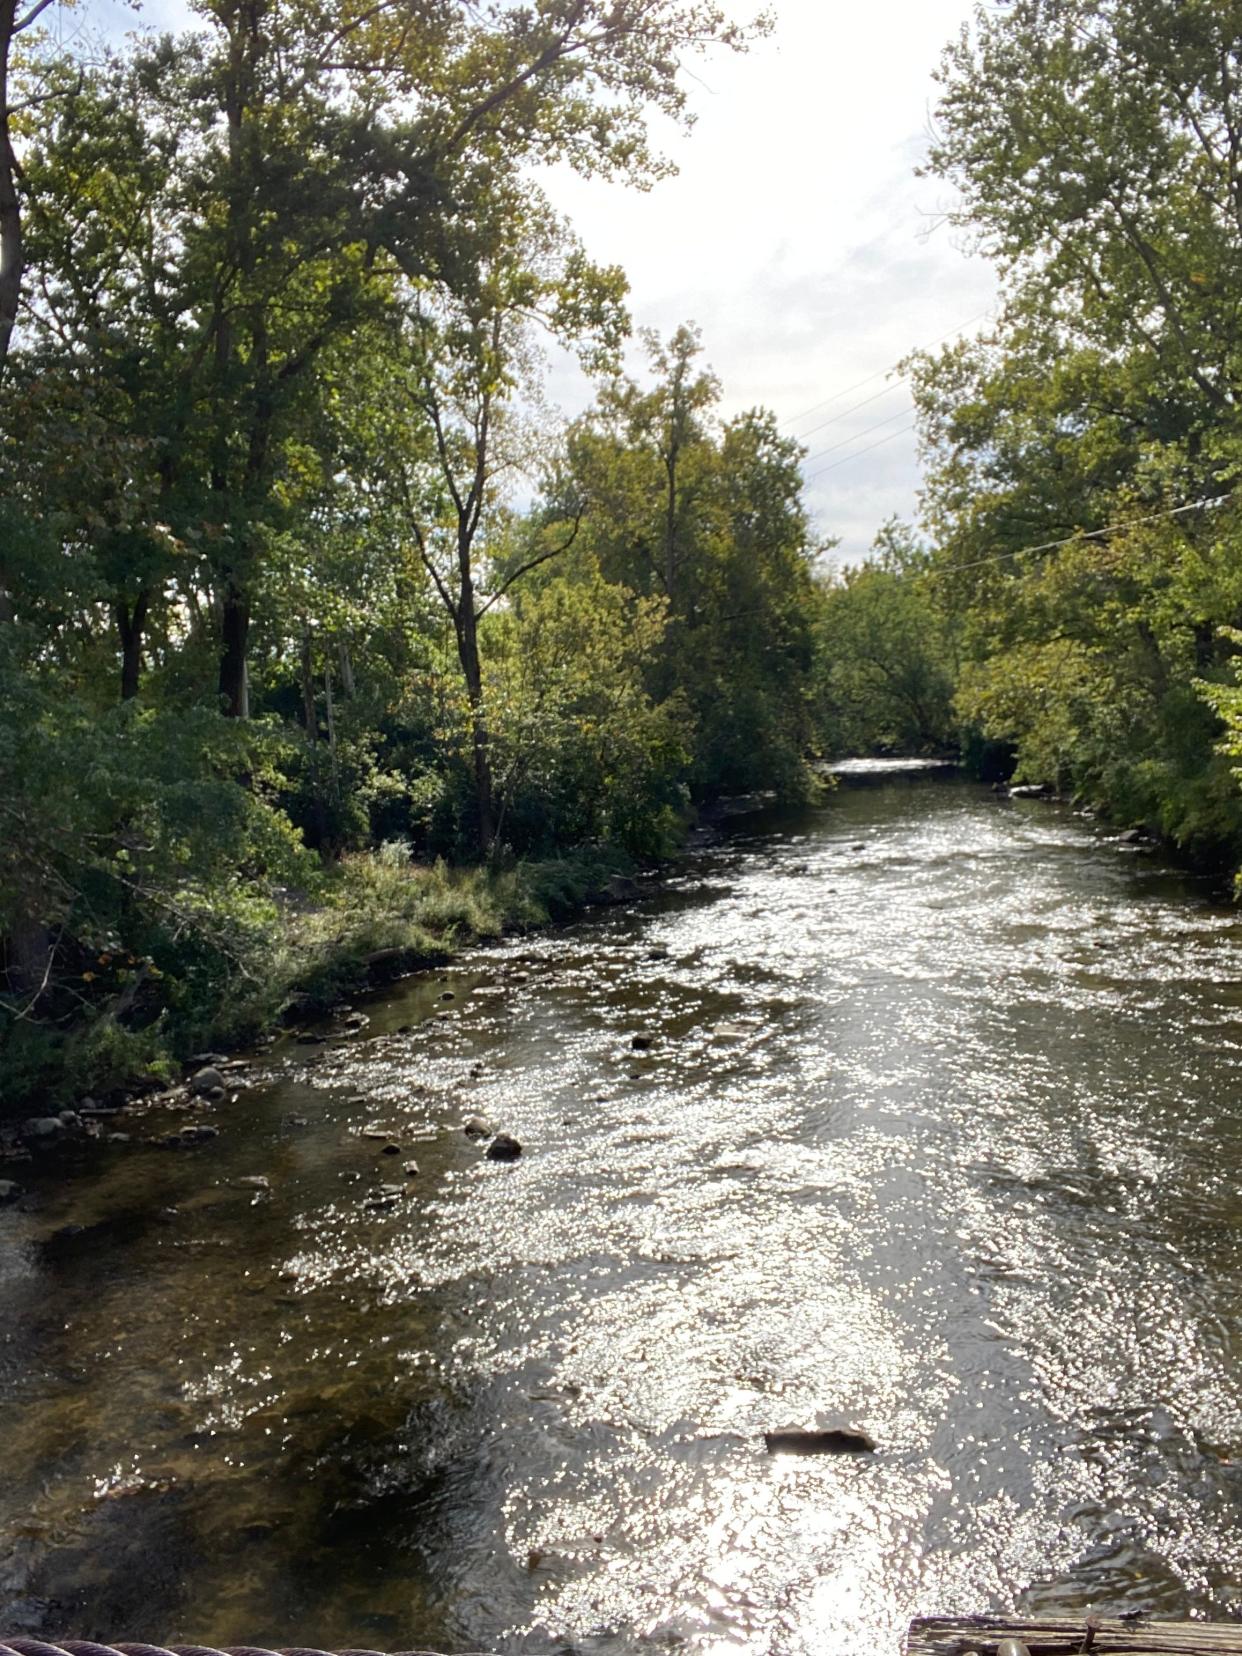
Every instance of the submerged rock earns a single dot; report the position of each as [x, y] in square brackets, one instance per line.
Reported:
[819, 1440]
[504, 1148]
[190, 1135]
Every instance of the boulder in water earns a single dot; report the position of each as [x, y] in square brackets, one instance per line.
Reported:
[42, 1128]
[819, 1440]
[504, 1148]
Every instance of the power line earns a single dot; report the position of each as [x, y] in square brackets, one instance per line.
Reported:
[845, 458]
[879, 374]
[901, 414]
[1089, 534]
[835, 419]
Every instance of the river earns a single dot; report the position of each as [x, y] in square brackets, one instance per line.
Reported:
[939, 1130]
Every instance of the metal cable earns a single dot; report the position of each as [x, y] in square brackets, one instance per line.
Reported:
[87, 1647]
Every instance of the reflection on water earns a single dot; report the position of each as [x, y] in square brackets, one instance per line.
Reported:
[939, 1129]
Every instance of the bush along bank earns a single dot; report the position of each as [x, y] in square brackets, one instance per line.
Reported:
[134, 1023]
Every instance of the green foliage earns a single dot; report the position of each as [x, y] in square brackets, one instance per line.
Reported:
[885, 656]
[582, 752]
[278, 653]
[1083, 447]
[710, 522]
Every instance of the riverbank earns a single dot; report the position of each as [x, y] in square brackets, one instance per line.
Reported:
[374, 918]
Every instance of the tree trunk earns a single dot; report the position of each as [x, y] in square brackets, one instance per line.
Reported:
[468, 652]
[347, 671]
[310, 713]
[670, 518]
[310, 720]
[234, 635]
[130, 625]
[12, 251]
[330, 711]
[28, 955]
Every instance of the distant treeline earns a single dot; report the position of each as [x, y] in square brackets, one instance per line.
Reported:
[1080, 607]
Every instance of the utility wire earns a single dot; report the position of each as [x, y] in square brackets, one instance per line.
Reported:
[879, 374]
[1090, 534]
[901, 414]
[846, 458]
[835, 419]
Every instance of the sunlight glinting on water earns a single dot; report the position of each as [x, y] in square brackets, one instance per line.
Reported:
[936, 1131]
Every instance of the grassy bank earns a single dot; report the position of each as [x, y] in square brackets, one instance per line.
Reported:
[130, 1020]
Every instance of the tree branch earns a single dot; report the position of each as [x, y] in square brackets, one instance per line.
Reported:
[533, 563]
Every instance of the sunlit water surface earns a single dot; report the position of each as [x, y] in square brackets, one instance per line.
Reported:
[940, 1129]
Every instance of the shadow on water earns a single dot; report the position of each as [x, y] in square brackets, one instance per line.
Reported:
[933, 1121]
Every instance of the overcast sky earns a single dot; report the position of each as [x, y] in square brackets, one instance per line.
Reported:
[796, 236]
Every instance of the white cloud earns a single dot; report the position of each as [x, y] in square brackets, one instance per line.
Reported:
[799, 239]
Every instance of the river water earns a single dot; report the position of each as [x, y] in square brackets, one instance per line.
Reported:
[939, 1130]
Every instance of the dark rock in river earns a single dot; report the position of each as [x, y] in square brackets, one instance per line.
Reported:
[207, 1081]
[829, 1440]
[619, 889]
[391, 1150]
[42, 1129]
[503, 1148]
[641, 1043]
[1134, 836]
[478, 1127]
